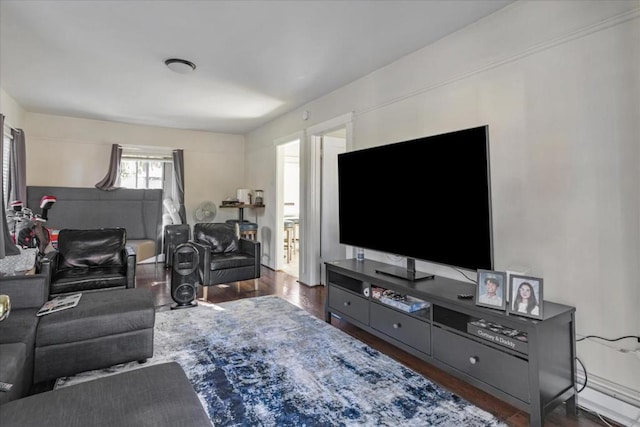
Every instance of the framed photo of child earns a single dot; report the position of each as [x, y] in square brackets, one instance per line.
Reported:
[492, 287]
[525, 296]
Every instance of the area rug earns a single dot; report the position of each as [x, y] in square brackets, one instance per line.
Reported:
[265, 362]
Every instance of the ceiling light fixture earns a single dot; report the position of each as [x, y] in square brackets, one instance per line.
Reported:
[181, 66]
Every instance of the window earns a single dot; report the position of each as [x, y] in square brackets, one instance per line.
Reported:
[147, 168]
[142, 173]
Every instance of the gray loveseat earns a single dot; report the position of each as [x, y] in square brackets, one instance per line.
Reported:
[158, 395]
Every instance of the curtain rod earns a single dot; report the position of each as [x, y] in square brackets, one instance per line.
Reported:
[146, 157]
[6, 124]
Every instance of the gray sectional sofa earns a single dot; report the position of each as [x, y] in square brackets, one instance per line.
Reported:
[106, 328]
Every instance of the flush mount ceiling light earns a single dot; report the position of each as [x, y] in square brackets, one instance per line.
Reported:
[181, 66]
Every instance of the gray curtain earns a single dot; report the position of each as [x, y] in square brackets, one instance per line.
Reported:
[7, 247]
[178, 176]
[112, 179]
[18, 169]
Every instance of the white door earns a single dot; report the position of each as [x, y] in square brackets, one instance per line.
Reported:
[330, 247]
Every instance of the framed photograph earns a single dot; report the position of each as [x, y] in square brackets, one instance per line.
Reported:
[492, 288]
[525, 296]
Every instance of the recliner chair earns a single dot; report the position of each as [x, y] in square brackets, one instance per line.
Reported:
[223, 257]
[90, 260]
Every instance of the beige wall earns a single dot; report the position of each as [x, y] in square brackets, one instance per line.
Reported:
[14, 113]
[558, 83]
[71, 152]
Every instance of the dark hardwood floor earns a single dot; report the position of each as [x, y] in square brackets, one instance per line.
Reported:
[311, 299]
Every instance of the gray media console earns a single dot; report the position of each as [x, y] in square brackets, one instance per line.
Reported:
[535, 372]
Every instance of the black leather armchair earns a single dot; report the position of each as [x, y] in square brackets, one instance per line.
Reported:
[223, 257]
[89, 260]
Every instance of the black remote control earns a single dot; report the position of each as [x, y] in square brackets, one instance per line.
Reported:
[465, 296]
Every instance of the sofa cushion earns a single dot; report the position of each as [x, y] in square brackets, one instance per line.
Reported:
[88, 278]
[231, 260]
[13, 367]
[99, 247]
[220, 237]
[158, 395]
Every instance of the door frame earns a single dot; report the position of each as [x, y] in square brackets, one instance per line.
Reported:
[310, 195]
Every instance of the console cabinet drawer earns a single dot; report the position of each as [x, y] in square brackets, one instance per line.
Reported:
[349, 304]
[491, 366]
[402, 327]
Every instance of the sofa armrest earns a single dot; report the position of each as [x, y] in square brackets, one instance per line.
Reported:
[130, 256]
[29, 291]
[204, 261]
[45, 265]
[48, 266]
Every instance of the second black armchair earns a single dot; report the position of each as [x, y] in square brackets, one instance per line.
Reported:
[223, 256]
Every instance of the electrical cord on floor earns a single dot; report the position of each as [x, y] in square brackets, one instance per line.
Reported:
[583, 387]
[636, 422]
[636, 337]
[597, 415]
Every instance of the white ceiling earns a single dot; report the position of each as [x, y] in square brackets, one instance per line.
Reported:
[255, 60]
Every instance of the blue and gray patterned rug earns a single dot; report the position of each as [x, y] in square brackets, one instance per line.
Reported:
[265, 362]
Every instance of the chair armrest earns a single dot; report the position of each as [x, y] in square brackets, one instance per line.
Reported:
[252, 248]
[249, 247]
[130, 256]
[25, 291]
[204, 261]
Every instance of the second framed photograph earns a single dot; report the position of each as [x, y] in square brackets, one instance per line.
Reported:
[492, 287]
[525, 296]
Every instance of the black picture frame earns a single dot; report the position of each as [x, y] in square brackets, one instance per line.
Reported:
[497, 300]
[533, 309]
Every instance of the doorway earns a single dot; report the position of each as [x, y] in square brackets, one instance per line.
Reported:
[319, 195]
[288, 211]
[291, 208]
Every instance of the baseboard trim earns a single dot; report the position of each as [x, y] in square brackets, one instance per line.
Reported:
[610, 400]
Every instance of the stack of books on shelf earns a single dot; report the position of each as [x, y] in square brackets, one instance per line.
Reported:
[499, 334]
[403, 302]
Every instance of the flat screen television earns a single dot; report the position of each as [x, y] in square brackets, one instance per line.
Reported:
[427, 198]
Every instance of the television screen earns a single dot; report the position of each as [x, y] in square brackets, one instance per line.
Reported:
[427, 199]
